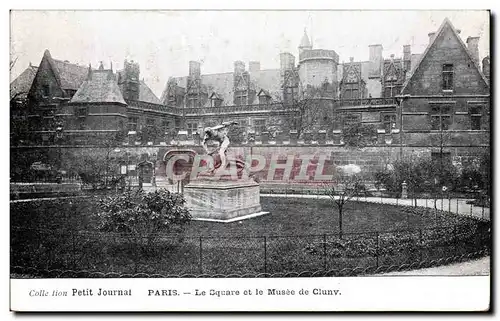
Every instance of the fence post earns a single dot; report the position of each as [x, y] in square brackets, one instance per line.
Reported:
[471, 209]
[455, 237]
[74, 249]
[377, 249]
[265, 254]
[324, 253]
[201, 255]
[421, 245]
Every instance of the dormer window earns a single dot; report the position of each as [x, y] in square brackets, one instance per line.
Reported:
[81, 112]
[448, 77]
[46, 90]
[215, 100]
[240, 97]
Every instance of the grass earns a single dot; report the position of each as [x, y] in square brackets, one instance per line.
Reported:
[301, 216]
[299, 235]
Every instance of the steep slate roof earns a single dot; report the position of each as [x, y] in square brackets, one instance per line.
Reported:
[223, 84]
[22, 84]
[100, 87]
[146, 94]
[73, 76]
[70, 75]
[431, 44]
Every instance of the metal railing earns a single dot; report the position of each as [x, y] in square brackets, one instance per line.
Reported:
[34, 250]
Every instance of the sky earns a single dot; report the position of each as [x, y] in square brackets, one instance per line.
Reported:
[163, 42]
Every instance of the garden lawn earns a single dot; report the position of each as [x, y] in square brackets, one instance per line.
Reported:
[298, 235]
[301, 216]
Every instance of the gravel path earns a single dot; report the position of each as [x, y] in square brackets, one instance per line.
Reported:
[476, 267]
[453, 205]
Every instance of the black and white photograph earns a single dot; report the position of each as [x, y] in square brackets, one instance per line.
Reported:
[293, 150]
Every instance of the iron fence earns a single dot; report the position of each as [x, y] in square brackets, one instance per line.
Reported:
[457, 203]
[71, 253]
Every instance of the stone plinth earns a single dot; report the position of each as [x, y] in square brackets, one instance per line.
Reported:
[212, 199]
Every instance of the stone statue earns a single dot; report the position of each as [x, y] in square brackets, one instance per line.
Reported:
[219, 134]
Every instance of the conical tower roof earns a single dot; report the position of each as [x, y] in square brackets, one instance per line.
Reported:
[305, 43]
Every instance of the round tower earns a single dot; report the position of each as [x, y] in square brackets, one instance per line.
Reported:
[305, 44]
[317, 67]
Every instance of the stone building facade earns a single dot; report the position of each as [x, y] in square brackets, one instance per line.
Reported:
[414, 100]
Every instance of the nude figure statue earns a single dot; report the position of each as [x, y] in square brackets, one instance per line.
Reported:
[219, 134]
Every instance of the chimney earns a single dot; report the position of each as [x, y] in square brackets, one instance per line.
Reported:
[287, 61]
[194, 69]
[486, 67]
[431, 36]
[407, 57]
[254, 66]
[472, 45]
[376, 61]
[239, 67]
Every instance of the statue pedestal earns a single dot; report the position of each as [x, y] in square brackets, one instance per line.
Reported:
[223, 200]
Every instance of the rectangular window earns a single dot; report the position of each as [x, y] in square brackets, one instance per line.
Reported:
[150, 122]
[46, 90]
[389, 121]
[81, 111]
[448, 77]
[165, 125]
[243, 123]
[387, 92]
[192, 101]
[172, 100]
[440, 117]
[263, 100]
[259, 125]
[240, 97]
[216, 102]
[391, 89]
[132, 124]
[289, 94]
[475, 117]
[350, 120]
[192, 128]
[438, 156]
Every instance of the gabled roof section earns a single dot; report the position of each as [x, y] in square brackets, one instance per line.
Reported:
[20, 86]
[71, 75]
[214, 95]
[264, 92]
[68, 76]
[100, 87]
[446, 22]
[223, 83]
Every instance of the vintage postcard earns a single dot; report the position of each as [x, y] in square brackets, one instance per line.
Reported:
[250, 160]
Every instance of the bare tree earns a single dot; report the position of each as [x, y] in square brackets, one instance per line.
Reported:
[303, 112]
[343, 189]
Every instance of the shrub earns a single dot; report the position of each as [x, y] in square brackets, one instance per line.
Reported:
[141, 217]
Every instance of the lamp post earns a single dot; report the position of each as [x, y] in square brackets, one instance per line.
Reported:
[126, 171]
